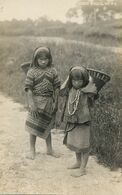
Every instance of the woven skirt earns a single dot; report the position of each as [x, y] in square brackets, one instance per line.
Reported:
[77, 137]
[41, 125]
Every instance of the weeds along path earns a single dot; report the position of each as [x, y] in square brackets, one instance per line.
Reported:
[44, 175]
[83, 43]
[96, 46]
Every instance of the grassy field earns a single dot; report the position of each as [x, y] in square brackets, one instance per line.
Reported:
[107, 33]
[106, 137]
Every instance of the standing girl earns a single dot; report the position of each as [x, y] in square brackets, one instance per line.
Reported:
[79, 89]
[42, 87]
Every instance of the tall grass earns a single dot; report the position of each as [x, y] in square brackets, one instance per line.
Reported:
[106, 139]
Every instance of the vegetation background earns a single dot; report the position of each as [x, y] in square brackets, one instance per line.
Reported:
[18, 39]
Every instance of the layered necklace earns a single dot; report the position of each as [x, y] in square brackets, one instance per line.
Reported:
[73, 102]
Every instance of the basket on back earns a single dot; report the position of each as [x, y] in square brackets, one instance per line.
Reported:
[25, 66]
[99, 78]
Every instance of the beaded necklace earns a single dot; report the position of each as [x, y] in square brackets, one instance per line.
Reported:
[74, 102]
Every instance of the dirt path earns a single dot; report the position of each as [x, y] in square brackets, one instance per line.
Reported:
[44, 175]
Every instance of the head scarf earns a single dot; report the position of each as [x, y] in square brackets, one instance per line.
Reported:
[41, 52]
[87, 81]
[84, 74]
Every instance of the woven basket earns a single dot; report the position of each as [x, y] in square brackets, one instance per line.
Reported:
[99, 78]
[25, 66]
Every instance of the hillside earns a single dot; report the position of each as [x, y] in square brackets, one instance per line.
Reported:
[107, 33]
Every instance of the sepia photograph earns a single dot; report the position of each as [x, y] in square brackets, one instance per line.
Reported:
[61, 97]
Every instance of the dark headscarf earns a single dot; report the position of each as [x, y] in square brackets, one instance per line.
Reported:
[81, 72]
[41, 52]
[67, 85]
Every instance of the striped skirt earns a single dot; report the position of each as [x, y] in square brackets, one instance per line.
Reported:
[41, 125]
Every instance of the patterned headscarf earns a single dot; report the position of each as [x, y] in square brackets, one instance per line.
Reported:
[41, 52]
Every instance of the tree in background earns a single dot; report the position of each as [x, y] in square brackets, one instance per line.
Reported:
[95, 10]
[1, 6]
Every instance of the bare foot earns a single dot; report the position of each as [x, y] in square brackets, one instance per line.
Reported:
[31, 155]
[53, 154]
[75, 166]
[78, 173]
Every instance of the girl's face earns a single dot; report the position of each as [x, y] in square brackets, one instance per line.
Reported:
[77, 79]
[77, 83]
[42, 62]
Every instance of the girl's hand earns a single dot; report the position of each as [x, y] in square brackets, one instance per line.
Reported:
[55, 104]
[55, 108]
[33, 109]
[58, 122]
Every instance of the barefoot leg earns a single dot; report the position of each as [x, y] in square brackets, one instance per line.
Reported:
[84, 160]
[78, 162]
[79, 173]
[31, 155]
[49, 147]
